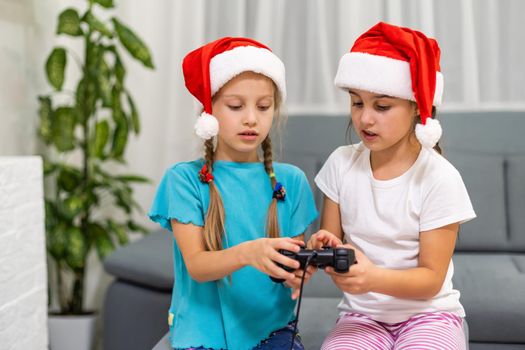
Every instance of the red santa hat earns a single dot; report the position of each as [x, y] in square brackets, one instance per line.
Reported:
[398, 62]
[209, 67]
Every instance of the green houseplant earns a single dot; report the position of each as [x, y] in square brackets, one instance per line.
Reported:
[86, 132]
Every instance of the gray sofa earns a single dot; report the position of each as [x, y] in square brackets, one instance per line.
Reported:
[489, 151]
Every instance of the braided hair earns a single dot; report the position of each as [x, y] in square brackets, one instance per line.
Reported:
[214, 229]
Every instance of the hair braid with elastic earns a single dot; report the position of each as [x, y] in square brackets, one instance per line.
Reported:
[272, 222]
[214, 223]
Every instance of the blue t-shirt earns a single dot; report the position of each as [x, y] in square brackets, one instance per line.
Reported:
[240, 314]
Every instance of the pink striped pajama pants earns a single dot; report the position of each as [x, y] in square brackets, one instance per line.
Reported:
[439, 330]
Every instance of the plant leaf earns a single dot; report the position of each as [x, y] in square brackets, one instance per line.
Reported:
[104, 84]
[51, 215]
[133, 178]
[135, 121]
[120, 138]
[120, 70]
[105, 3]
[91, 196]
[86, 99]
[127, 193]
[119, 231]
[123, 199]
[69, 23]
[45, 111]
[49, 167]
[116, 104]
[72, 206]
[63, 129]
[77, 248]
[69, 179]
[55, 66]
[133, 226]
[101, 138]
[97, 25]
[103, 242]
[133, 43]
[57, 240]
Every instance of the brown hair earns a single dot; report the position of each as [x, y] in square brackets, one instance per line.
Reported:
[214, 229]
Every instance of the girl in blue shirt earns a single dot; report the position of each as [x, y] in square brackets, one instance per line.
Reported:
[229, 212]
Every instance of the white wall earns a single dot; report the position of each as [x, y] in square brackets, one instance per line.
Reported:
[23, 282]
[22, 54]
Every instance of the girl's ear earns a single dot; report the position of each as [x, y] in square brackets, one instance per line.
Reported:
[416, 110]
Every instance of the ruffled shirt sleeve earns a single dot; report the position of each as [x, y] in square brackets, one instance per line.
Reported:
[178, 197]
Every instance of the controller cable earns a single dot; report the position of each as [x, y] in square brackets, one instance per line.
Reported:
[294, 334]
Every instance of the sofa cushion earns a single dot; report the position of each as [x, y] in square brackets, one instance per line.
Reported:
[495, 132]
[495, 306]
[516, 201]
[483, 175]
[148, 261]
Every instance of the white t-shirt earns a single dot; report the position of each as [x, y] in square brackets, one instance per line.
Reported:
[384, 220]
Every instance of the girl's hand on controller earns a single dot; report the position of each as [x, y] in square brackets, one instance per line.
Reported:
[263, 254]
[360, 278]
[295, 282]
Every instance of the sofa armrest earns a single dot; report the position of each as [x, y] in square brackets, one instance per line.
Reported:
[147, 261]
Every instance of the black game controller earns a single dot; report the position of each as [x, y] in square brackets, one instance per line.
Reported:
[338, 258]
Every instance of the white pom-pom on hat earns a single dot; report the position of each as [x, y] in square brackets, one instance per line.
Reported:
[429, 133]
[206, 126]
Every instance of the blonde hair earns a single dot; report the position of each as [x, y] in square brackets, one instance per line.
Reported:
[214, 229]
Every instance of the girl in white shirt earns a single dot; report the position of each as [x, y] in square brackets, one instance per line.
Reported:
[394, 199]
